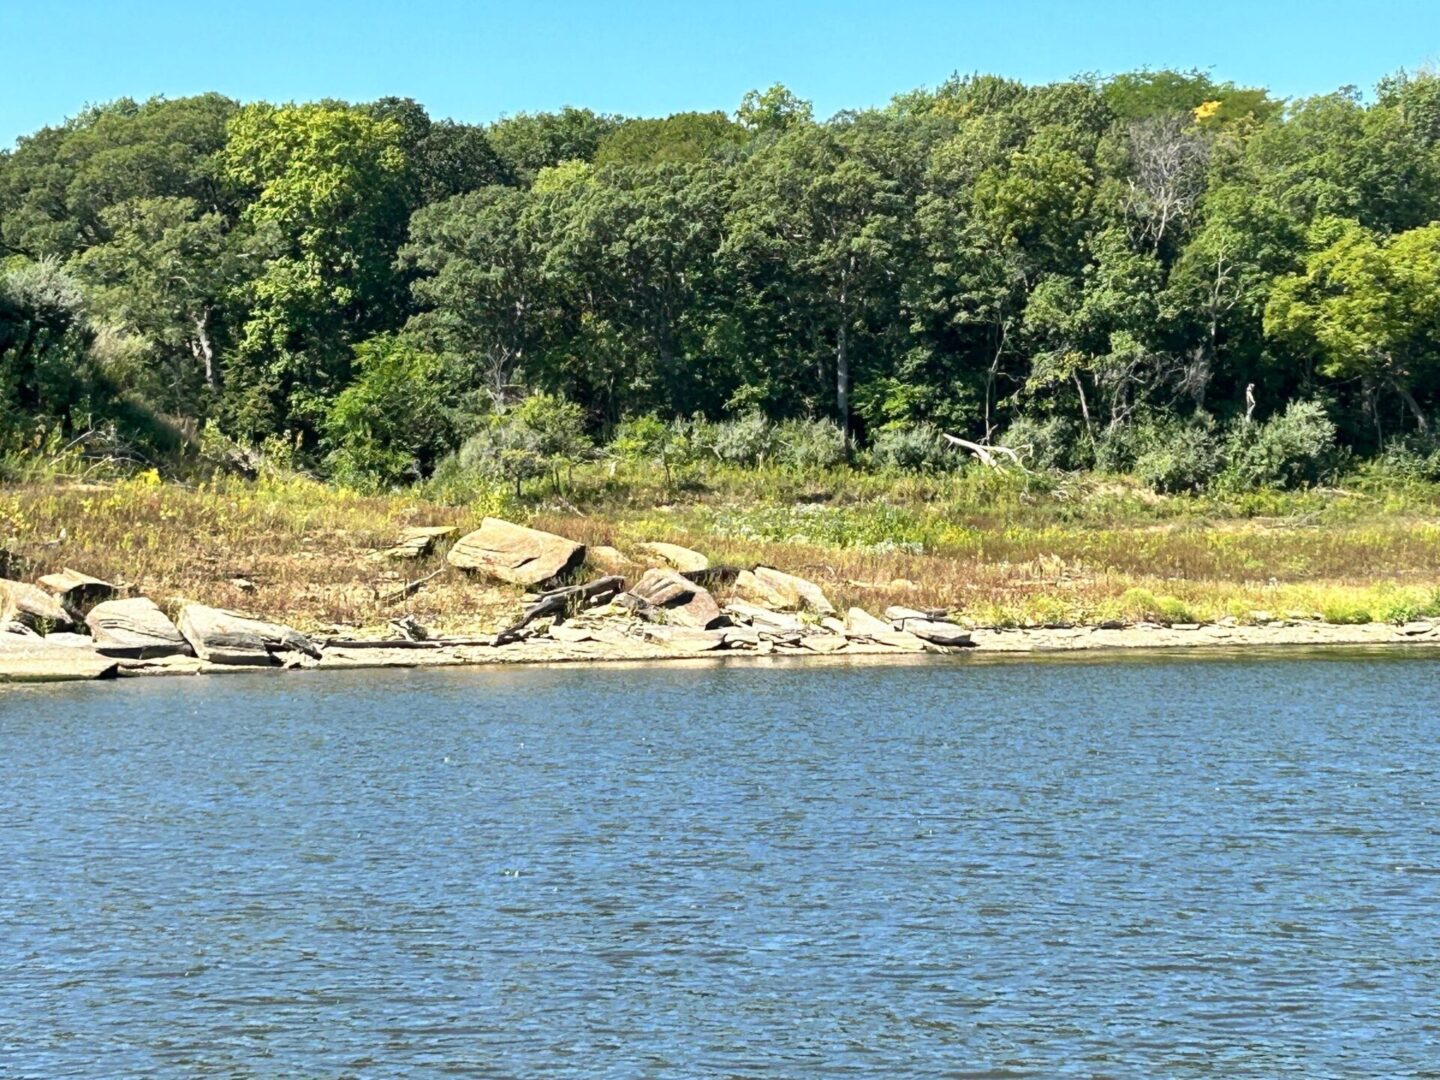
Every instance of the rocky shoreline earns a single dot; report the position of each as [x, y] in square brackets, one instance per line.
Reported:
[655, 606]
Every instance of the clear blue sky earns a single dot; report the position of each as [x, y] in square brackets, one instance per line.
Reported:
[476, 60]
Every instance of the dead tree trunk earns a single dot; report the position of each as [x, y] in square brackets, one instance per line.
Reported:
[562, 602]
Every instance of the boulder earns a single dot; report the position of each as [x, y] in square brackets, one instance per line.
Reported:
[611, 560]
[570, 634]
[824, 643]
[515, 554]
[227, 637]
[753, 589]
[866, 627]
[684, 602]
[135, 629]
[765, 619]
[35, 608]
[419, 542]
[681, 558]
[798, 592]
[688, 638]
[78, 592]
[922, 625]
[861, 623]
[28, 659]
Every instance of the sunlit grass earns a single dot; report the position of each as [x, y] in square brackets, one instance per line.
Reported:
[997, 550]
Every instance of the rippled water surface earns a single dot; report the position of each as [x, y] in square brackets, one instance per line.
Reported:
[1162, 868]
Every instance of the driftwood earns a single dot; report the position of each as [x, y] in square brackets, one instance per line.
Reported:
[410, 588]
[986, 454]
[405, 643]
[561, 602]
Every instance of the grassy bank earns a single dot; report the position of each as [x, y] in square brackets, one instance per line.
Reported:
[998, 550]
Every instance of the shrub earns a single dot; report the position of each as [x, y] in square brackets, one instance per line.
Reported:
[392, 423]
[747, 440]
[1177, 456]
[1145, 605]
[918, 448]
[1345, 611]
[1118, 448]
[810, 444]
[1043, 444]
[1410, 460]
[1297, 447]
[543, 434]
[649, 440]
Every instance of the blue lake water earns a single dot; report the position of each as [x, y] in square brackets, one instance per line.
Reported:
[1159, 867]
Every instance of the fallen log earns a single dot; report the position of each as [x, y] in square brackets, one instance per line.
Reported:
[561, 602]
[410, 588]
[405, 643]
[985, 454]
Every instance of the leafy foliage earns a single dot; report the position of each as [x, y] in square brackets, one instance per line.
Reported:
[1131, 272]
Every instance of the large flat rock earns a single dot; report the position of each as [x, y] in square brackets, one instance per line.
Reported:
[135, 629]
[673, 555]
[27, 659]
[515, 554]
[78, 592]
[684, 602]
[228, 637]
[797, 592]
[34, 607]
[419, 542]
[922, 625]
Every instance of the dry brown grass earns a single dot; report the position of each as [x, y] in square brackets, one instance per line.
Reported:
[307, 548]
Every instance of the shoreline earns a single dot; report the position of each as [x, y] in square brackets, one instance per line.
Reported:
[1011, 644]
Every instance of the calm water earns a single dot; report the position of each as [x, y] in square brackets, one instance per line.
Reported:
[1177, 868]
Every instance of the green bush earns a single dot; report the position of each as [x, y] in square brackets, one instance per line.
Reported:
[1295, 448]
[810, 444]
[1411, 460]
[649, 440]
[542, 435]
[1044, 444]
[747, 440]
[393, 422]
[918, 448]
[1177, 457]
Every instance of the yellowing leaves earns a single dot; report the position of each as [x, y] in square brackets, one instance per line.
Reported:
[1207, 110]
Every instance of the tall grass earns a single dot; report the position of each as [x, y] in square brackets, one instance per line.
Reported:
[996, 548]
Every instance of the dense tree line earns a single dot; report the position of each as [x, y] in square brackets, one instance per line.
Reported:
[1092, 269]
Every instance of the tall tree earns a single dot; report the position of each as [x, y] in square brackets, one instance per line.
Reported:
[328, 210]
[1370, 306]
[817, 223]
